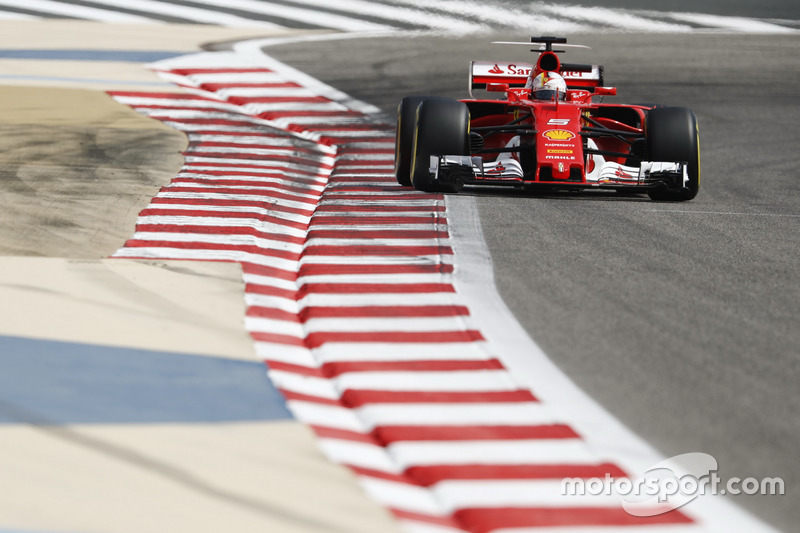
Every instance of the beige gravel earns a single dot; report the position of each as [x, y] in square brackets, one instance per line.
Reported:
[75, 170]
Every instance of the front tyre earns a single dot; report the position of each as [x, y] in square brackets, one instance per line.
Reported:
[673, 135]
[404, 138]
[442, 128]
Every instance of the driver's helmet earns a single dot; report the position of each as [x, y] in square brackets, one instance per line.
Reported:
[548, 86]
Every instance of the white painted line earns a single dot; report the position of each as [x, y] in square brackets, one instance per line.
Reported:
[377, 204]
[262, 139]
[233, 78]
[90, 13]
[402, 495]
[194, 14]
[447, 381]
[323, 388]
[495, 16]
[203, 255]
[232, 115]
[430, 19]
[378, 299]
[731, 24]
[358, 454]
[616, 18]
[251, 51]
[655, 528]
[269, 282]
[360, 324]
[296, 355]
[256, 108]
[369, 278]
[175, 192]
[515, 493]
[458, 351]
[255, 178]
[483, 414]
[359, 300]
[7, 15]
[326, 19]
[492, 452]
[317, 414]
[266, 227]
[289, 217]
[264, 92]
[197, 106]
[410, 526]
[189, 127]
[376, 242]
[192, 160]
[266, 190]
[344, 118]
[283, 175]
[368, 259]
[225, 239]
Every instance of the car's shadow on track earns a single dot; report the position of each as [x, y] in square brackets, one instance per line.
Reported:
[588, 195]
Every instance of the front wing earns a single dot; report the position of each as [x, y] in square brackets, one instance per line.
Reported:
[471, 170]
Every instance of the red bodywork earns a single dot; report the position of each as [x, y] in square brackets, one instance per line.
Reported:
[560, 149]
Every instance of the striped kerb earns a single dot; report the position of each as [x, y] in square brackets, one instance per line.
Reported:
[351, 303]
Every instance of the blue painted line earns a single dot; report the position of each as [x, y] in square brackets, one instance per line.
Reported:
[134, 56]
[53, 383]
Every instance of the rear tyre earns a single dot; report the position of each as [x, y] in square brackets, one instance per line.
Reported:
[673, 135]
[442, 128]
[404, 138]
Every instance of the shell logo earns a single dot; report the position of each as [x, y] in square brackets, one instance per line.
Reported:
[559, 135]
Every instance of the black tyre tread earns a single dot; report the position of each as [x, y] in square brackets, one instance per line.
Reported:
[673, 135]
[442, 127]
[404, 138]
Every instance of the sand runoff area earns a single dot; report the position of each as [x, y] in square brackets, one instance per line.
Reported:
[75, 170]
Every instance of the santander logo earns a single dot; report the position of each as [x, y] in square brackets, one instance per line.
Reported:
[496, 70]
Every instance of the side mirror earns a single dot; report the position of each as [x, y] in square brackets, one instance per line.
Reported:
[605, 91]
[497, 87]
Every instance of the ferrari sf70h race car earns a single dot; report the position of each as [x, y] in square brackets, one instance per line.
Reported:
[546, 132]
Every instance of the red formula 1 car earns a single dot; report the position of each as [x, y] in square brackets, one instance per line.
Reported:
[546, 133]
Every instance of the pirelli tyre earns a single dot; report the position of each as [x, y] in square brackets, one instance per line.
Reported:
[442, 128]
[673, 135]
[404, 138]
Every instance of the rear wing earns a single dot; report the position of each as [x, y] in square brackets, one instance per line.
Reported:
[577, 76]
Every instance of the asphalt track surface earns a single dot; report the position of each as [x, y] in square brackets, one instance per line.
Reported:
[776, 9]
[734, 428]
[681, 319]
